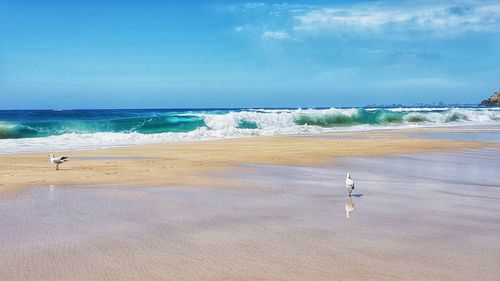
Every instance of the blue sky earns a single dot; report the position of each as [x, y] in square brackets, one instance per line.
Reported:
[125, 54]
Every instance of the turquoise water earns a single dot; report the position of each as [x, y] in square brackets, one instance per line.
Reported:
[27, 124]
[44, 130]
[44, 123]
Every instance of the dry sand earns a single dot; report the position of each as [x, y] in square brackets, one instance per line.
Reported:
[198, 163]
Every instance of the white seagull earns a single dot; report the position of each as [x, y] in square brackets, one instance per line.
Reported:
[57, 160]
[349, 183]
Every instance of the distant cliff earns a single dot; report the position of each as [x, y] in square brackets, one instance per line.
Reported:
[493, 100]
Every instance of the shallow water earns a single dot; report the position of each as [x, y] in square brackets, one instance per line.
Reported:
[412, 217]
[482, 133]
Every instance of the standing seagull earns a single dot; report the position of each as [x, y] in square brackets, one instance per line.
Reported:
[349, 183]
[57, 160]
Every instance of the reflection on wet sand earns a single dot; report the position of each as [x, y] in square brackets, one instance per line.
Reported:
[349, 207]
[288, 225]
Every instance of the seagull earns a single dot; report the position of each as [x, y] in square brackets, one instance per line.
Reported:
[57, 160]
[349, 183]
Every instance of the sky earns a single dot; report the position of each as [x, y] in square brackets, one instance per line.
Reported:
[186, 54]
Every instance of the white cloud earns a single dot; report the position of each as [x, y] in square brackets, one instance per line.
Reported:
[242, 28]
[253, 6]
[446, 19]
[276, 35]
[238, 28]
[268, 8]
[437, 18]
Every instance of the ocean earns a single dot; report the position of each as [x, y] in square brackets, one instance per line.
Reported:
[57, 130]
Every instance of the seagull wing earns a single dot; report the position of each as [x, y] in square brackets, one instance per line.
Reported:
[349, 183]
[58, 160]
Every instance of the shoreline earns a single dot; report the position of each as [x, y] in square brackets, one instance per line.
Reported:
[199, 163]
[399, 131]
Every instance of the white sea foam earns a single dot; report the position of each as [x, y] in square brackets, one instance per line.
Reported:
[222, 124]
[269, 119]
[6, 125]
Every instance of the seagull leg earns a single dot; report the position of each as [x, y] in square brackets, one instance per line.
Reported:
[57, 166]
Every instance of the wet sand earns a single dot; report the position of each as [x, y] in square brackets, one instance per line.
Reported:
[198, 163]
[419, 216]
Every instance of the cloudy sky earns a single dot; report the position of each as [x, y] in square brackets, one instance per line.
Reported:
[133, 54]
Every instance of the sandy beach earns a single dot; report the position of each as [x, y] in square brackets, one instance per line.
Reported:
[198, 163]
[256, 209]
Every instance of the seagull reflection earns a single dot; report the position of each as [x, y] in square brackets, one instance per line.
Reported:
[51, 193]
[349, 207]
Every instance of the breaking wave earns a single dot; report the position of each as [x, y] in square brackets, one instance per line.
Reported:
[80, 129]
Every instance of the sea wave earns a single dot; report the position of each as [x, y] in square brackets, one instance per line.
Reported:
[89, 132]
[143, 125]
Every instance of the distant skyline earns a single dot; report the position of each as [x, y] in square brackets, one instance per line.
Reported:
[172, 54]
